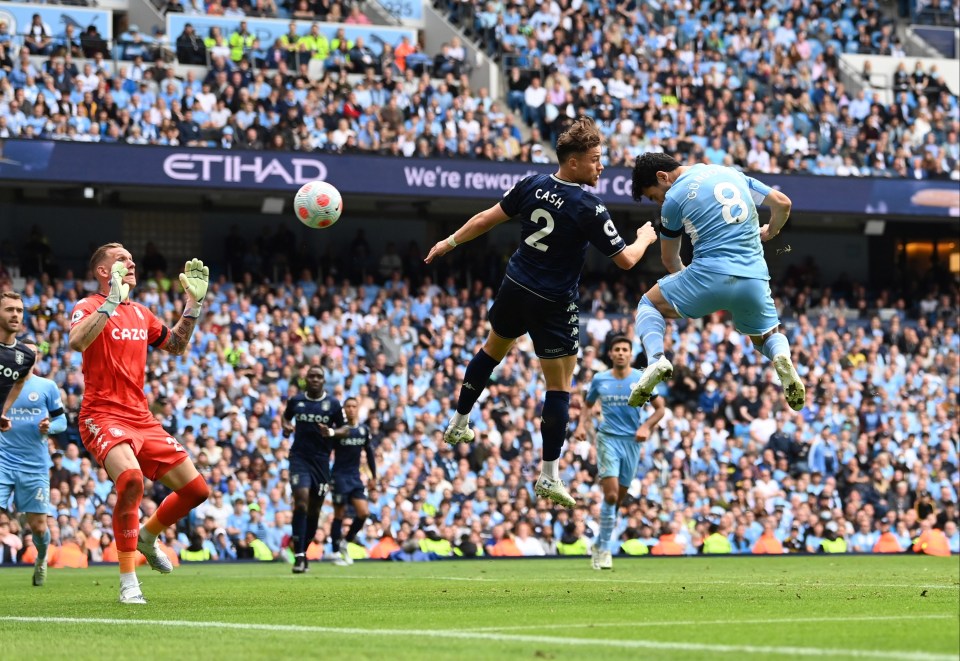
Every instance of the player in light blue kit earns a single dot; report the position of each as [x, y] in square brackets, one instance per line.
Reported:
[717, 207]
[25, 459]
[619, 436]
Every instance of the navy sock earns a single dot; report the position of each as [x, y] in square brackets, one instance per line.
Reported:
[336, 532]
[313, 522]
[355, 527]
[299, 537]
[475, 380]
[554, 420]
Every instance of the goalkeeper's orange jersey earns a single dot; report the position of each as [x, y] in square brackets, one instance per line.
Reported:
[114, 365]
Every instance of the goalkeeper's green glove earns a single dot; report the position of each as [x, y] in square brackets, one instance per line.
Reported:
[195, 279]
[118, 289]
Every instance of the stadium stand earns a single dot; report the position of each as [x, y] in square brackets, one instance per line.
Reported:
[872, 460]
[758, 88]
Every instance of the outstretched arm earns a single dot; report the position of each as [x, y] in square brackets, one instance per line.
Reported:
[480, 224]
[629, 256]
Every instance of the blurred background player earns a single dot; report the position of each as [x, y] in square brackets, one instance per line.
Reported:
[116, 424]
[717, 207]
[348, 442]
[25, 458]
[314, 413]
[540, 290]
[16, 359]
[622, 431]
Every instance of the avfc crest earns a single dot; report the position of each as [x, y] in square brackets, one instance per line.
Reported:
[325, 406]
[19, 357]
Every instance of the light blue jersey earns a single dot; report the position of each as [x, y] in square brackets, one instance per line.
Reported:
[619, 419]
[717, 207]
[23, 448]
[618, 451]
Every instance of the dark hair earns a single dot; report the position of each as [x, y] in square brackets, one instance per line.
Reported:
[581, 137]
[645, 171]
[617, 339]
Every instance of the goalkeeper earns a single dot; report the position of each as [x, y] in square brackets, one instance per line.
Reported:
[115, 422]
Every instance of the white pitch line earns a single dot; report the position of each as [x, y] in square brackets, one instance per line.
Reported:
[612, 580]
[502, 638]
[685, 623]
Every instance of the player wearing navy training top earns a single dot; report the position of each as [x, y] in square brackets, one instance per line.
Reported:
[348, 442]
[16, 359]
[558, 220]
[717, 207]
[25, 459]
[621, 432]
[313, 412]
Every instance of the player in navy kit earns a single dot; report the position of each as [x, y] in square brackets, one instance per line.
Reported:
[16, 358]
[717, 207]
[348, 442]
[538, 295]
[314, 412]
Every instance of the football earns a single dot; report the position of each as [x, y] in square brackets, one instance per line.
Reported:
[317, 204]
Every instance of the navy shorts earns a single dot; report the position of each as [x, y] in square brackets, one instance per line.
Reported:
[347, 488]
[554, 327]
[312, 474]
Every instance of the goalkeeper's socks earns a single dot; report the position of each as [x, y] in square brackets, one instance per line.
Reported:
[128, 567]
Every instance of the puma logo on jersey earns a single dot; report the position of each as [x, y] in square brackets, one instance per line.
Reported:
[129, 334]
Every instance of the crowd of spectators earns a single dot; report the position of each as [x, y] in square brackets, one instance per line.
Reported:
[756, 86]
[875, 452]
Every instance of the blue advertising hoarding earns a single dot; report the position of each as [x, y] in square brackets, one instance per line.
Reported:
[272, 172]
[18, 17]
[268, 30]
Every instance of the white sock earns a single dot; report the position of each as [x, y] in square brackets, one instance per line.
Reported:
[129, 580]
[551, 469]
[460, 419]
[147, 536]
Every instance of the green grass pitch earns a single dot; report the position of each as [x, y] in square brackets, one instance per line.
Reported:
[688, 608]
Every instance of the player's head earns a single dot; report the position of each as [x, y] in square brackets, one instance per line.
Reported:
[103, 259]
[315, 381]
[578, 152]
[11, 315]
[621, 351]
[351, 409]
[653, 174]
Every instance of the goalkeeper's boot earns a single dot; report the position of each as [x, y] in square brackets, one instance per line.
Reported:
[130, 594]
[156, 558]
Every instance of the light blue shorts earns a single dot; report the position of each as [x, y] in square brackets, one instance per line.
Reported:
[619, 457]
[31, 491]
[695, 293]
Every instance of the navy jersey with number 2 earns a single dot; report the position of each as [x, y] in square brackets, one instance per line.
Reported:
[559, 219]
